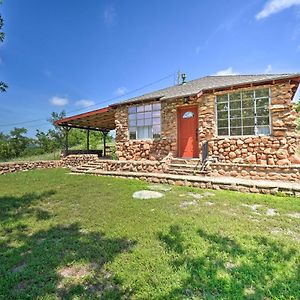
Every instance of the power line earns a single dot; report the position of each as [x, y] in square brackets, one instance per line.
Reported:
[97, 103]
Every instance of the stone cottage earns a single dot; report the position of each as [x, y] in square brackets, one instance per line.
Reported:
[238, 119]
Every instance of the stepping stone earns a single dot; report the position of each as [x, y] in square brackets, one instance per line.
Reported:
[159, 188]
[145, 194]
[185, 204]
[294, 215]
[271, 212]
[195, 195]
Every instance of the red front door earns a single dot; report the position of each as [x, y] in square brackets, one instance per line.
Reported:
[188, 132]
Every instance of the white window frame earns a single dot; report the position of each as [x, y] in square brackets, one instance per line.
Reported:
[255, 114]
[151, 125]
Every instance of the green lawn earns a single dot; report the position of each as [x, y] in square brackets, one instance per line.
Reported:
[84, 237]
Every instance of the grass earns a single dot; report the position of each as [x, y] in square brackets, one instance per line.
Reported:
[46, 156]
[84, 237]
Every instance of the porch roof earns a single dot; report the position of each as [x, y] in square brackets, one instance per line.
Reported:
[101, 119]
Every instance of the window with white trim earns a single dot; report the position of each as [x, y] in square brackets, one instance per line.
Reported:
[244, 113]
[144, 121]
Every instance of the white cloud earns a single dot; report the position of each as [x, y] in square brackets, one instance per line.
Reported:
[268, 69]
[228, 71]
[110, 16]
[120, 91]
[275, 6]
[84, 103]
[58, 101]
[198, 49]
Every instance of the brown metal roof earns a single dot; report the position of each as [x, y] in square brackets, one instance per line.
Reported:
[100, 119]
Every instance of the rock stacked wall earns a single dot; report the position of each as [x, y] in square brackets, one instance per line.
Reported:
[280, 148]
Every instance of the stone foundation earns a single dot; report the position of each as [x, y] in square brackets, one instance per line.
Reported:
[256, 172]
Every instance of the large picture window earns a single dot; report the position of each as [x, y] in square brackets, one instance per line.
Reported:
[144, 121]
[244, 113]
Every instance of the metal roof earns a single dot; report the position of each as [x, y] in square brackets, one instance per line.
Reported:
[194, 87]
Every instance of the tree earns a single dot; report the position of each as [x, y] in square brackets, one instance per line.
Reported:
[3, 85]
[18, 142]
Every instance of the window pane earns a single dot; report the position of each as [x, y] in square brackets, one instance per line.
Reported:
[148, 115]
[262, 111]
[140, 108]
[235, 104]
[156, 113]
[248, 103]
[248, 113]
[132, 133]
[156, 106]
[262, 102]
[223, 123]
[222, 115]
[223, 131]
[144, 132]
[248, 131]
[235, 114]
[263, 130]
[148, 121]
[248, 121]
[235, 122]
[248, 95]
[262, 93]
[262, 120]
[140, 122]
[236, 131]
[132, 110]
[222, 106]
[148, 107]
[222, 98]
[156, 131]
[140, 116]
[156, 121]
[132, 123]
[132, 117]
[234, 96]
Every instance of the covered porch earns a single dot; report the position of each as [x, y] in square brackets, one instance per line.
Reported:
[101, 120]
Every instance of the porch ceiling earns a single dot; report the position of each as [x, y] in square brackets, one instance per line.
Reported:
[100, 119]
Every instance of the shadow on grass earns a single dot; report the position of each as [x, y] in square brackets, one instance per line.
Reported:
[61, 262]
[226, 269]
[14, 208]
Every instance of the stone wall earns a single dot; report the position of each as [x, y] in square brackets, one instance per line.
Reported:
[69, 161]
[133, 166]
[256, 172]
[280, 148]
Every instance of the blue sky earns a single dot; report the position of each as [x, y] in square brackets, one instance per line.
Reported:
[71, 54]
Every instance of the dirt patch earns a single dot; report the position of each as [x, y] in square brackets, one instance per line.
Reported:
[75, 272]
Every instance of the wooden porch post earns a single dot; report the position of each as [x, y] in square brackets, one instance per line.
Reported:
[88, 139]
[67, 129]
[104, 133]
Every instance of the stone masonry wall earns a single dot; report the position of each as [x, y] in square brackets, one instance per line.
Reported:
[69, 161]
[280, 148]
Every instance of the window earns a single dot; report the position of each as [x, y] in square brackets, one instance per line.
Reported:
[188, 115]
[244, 113]
[144, 121]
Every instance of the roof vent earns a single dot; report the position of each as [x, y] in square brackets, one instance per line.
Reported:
[183, 77]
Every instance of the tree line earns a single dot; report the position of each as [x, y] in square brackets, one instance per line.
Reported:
[17, 144]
